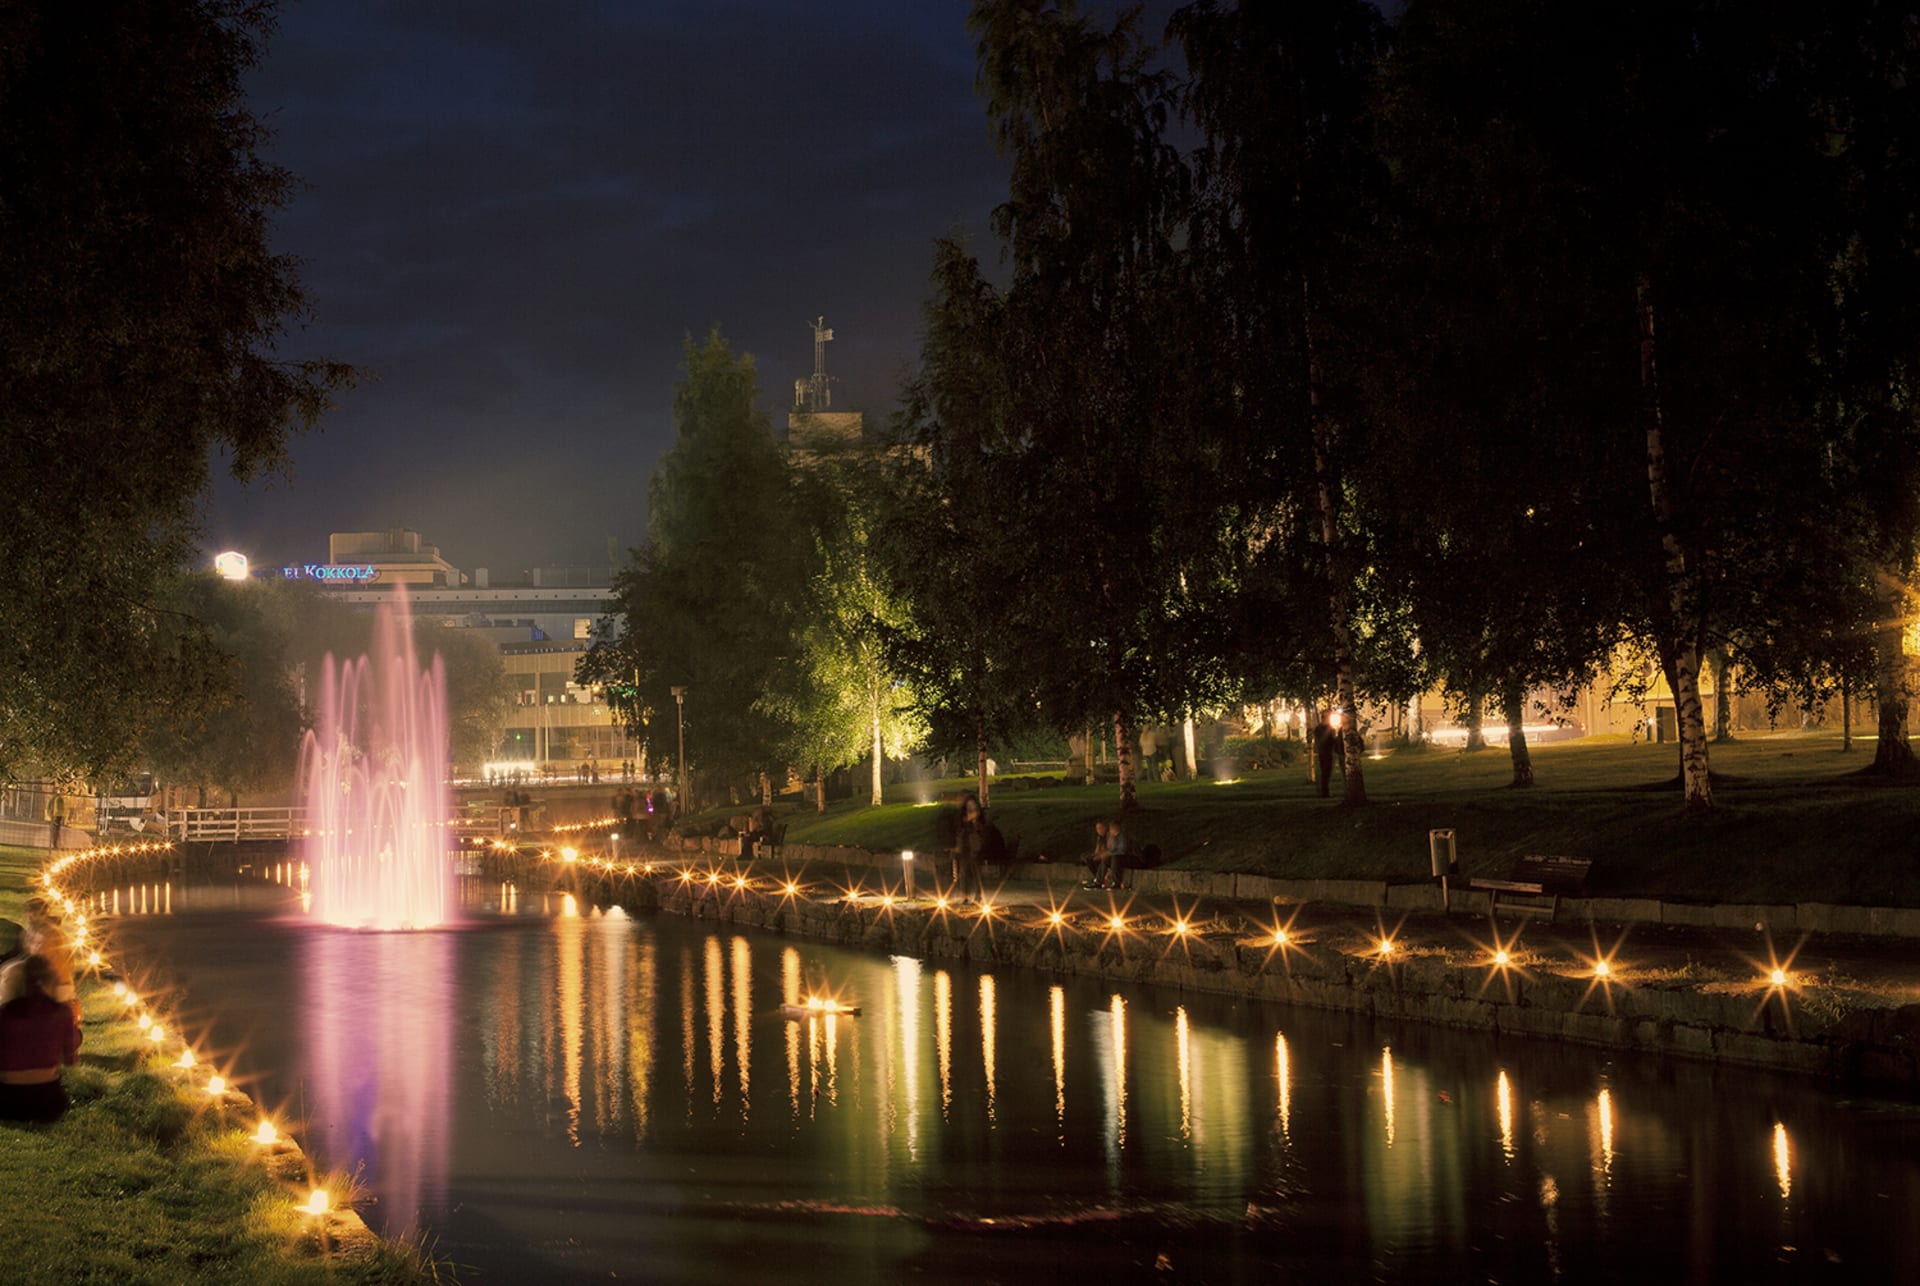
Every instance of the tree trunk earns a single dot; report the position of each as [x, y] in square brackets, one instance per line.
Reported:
[1186, 741]
[877, 793]
[766, 789]
[819, 789]
[1722, 694]
[1846, 714]
[1515, 707]
[980, 755]
[1893, 682]
[1686, 621]
[1125, 759]
[1337, 599]
[1475, 719]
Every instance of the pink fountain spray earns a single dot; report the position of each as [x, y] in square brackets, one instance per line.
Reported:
[375, 774]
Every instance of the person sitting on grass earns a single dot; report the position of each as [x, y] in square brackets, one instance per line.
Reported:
[38, 1036]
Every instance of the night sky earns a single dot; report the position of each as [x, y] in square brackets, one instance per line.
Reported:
[514, 213]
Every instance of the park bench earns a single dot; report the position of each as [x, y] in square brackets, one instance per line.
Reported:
[1536, 884]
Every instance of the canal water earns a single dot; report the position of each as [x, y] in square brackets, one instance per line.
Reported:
[546, 1096]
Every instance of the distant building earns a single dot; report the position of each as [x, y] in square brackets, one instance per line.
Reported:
[541, 623]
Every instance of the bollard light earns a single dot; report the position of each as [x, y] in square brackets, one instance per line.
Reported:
[906, 871]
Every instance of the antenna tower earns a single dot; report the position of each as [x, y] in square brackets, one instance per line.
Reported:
[819, 391]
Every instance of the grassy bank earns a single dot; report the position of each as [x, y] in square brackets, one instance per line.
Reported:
[144, 1181]
[1793, 822]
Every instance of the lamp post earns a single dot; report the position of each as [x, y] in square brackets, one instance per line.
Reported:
[680, 718]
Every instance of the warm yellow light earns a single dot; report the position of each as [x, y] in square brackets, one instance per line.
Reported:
[1778, 977]
[1501, 958]
[1180, 927]
[686, 877]
[986, 909]
[739, 881]
[887, 900]
[120, 990]
[156, 1033]
[1279, 937]
[145, 1021]
[1055, 918]
[713, 877]
[646, 868]
[1116, 923]
[318, 1202]
[814, 1002]
[266, 1133]
[1601, 969]
[216, 1085]
[791, 888]
[1386, 946]
[941, 902]
[96, 960]
[186, 1059]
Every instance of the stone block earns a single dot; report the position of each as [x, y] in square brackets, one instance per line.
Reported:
[1255, 888]
[1896, 921]
[1743, 915]
[1850, 919]
[1686, 1039]
[1687, 913]
[1414, 897]
[1474, 902]
[1349, 892]
[1617, 910]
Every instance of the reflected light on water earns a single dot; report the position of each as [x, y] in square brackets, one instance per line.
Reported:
[716, 1013]
[1386, 1088]
[906, 978]
[572, 945]
[743, 1019]
[943, 1037]
[1782, 1161]
[1057, 1026]
[378, 1020]
[1504, 1093]
[790, 995]
[1283, 1078]
[1183, 1050]
[1117, 1097]
[1603, 1110]
[987, 1039]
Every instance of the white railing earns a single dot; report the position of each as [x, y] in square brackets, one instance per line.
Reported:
[190, 825]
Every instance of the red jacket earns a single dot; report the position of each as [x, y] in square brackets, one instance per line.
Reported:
[37, 1032]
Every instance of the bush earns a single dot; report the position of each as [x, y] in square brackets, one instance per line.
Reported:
[1250, 753]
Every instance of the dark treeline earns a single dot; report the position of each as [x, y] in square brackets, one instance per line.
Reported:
[1325, 356]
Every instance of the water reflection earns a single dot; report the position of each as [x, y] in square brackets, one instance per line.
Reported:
[378, 1067]
[1418, 1152]
[1782, 1161]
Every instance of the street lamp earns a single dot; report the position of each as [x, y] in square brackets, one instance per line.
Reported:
[680, 718]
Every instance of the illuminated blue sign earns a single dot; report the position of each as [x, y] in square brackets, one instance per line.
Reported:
[357, 572]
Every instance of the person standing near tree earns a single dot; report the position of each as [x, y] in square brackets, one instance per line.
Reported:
[968, 837]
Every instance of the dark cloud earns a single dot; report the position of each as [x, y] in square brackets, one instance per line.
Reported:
[513, 213]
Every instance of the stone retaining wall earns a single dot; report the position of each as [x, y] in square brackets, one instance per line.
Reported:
[1748, 1025]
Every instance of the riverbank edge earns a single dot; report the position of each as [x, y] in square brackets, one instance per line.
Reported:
[340, 1232]
[1751, 1026]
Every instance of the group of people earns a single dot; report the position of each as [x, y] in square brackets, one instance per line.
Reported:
[651, 809]
[39, 1017]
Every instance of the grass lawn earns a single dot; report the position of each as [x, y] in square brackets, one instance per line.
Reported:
[1791, 823]
[141, 1182]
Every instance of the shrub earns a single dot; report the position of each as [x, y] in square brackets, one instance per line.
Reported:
[1249, 753]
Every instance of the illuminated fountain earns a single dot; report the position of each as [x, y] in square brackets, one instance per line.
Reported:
[374, 770]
